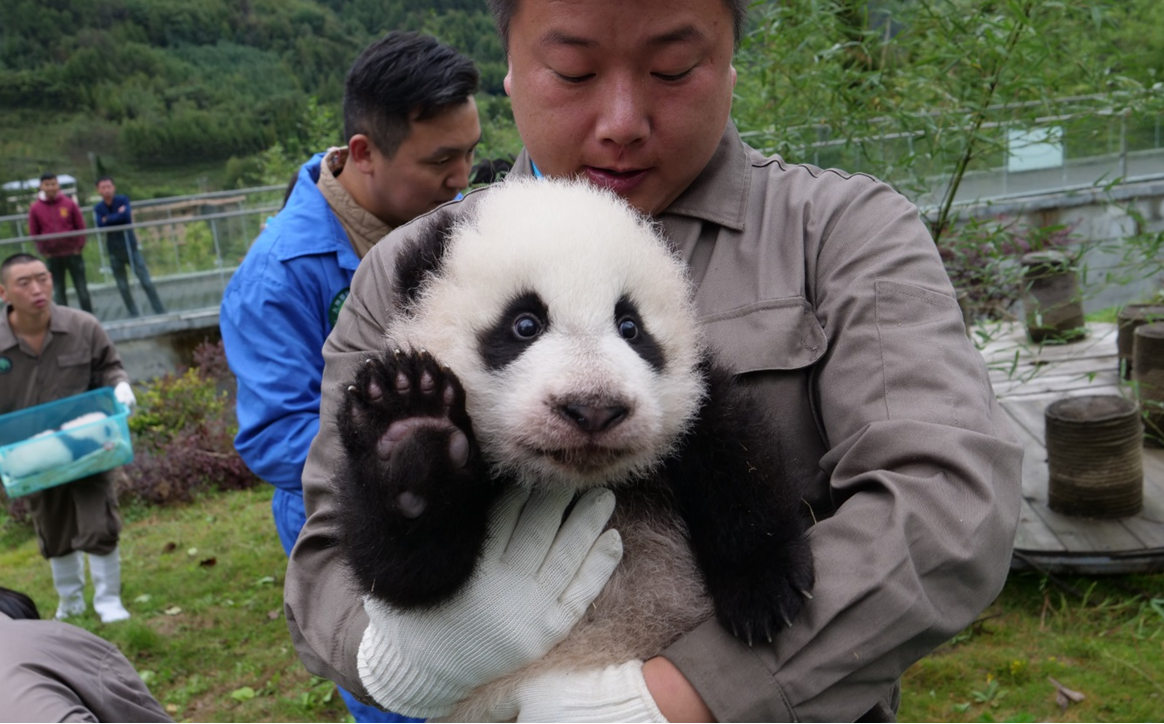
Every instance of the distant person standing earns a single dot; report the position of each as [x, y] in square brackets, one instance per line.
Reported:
[53, 212]
[113, 211]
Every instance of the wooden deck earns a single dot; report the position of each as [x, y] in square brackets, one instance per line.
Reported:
[1027, 378]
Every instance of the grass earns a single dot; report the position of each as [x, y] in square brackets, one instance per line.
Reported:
[1104, 639]
[204, 583]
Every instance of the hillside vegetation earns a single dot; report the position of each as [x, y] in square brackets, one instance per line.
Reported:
[176, 96]
[167, 90]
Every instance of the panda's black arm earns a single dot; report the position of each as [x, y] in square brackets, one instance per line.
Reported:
[744, 518]
[414, 495]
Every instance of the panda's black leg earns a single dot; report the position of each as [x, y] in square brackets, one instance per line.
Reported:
[745, 518]
[414, 494]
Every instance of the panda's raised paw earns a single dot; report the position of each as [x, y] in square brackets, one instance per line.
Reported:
[397, 395]
[411, 474]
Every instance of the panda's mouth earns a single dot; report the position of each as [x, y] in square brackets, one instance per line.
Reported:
[588, 458]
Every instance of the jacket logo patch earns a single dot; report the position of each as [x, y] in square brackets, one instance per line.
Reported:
[64, 213]
[337, 304]
[5, 365]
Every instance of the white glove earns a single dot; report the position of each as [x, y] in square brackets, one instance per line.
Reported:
[535, 579]
[123, 393]
[615, 693]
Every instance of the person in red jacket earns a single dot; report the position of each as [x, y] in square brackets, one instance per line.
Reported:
[52, 213]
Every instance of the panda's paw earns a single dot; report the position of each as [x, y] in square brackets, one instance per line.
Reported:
[766, 594]
[404, 424]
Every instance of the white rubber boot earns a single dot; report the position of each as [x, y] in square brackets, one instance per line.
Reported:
[69, 580]
[106, 573]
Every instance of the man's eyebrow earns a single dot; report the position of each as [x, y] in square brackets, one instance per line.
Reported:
[446, 150]
[682, 34]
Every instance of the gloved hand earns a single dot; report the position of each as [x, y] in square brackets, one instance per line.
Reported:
[536, 577]
[615, 693]
[123, 393]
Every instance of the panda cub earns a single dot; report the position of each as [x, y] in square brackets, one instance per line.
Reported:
[546, 337]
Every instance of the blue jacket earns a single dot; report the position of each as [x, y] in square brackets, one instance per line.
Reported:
[276, 312]
[117, 243]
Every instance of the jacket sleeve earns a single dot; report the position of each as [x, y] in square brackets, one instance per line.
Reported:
[325, 616]
[34, 227]
[116, 217]
[920, 468]
[273, 331]
[105, 368]
[78, 217]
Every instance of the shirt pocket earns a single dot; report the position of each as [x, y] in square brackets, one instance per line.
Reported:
[772, 334]
[73, 374]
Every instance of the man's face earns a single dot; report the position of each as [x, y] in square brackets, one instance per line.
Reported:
[633, 96]
[51, 187]
[27, 287]
[106, 189]
[430, 167]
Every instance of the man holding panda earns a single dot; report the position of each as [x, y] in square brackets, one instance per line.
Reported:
[823, 290]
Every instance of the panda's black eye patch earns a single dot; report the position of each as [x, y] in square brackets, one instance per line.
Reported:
[524, 319]
[629, 324]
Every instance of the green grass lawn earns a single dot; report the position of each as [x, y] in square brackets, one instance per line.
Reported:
[204, 583]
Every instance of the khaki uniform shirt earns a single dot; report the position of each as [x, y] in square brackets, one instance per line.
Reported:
[825, 293]
[76, 357]
[54, 671]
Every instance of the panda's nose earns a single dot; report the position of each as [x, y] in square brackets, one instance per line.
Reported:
[593, 418]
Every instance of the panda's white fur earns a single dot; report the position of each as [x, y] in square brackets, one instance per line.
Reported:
[581, 250]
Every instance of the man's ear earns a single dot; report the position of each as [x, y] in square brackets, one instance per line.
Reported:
[360, 151]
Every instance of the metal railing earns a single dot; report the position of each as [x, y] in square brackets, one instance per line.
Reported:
[1096, 144]
[190, 256]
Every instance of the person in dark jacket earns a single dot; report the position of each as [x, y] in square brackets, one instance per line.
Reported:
[113, 210]
[53, 213]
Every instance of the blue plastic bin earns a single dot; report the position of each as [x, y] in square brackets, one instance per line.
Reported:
[30, 464]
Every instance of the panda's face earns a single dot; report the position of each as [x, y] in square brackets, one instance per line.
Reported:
[570, 326]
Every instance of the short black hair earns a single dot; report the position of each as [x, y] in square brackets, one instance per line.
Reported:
[17, 605]
[503, 10]
[18, 258]
[104, 178]
[47, 176]
[402, 77]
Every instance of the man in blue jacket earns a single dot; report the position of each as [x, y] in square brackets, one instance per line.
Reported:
[411, 127]
[113, 210]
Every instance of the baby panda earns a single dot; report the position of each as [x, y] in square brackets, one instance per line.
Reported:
[77, 438]
[547, 337]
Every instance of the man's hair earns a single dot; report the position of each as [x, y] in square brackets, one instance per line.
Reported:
[503, 11]
[17, 605]
[47, 176]
[18, 258]
[103, 178]
[403, 77]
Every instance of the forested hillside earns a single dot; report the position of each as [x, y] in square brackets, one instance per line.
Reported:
[132, 85]
[174, 96]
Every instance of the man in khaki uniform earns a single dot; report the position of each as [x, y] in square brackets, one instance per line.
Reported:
[48, 352]
[825, 293]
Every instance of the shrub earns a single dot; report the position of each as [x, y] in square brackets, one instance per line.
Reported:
[184, 434]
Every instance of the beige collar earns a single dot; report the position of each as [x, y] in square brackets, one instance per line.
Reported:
[363, 229]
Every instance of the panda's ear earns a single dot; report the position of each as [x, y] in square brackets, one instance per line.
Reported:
[422, 256]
